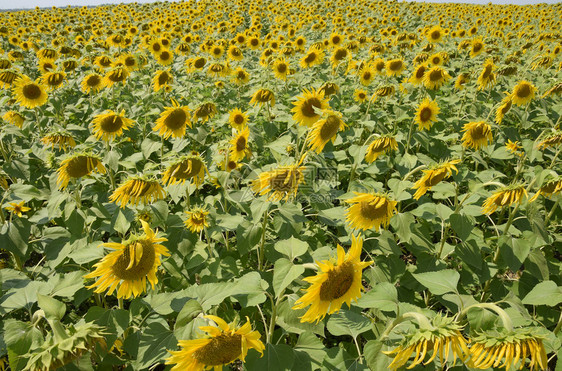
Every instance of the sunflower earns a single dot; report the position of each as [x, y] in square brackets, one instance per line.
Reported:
[237, 119]
[476, 47]
[487, 76]
[369, 210]
[433, 176]
[504, 107]
[338, 282]
[379, 146]
[173, 121]
[115, 75]
[476, 135]
[366, 76]
[61, 140]
[280, 68]
[513, 147]
[262, 96]
[441, 337]
[239, 145]
[109, 125]
[549, 188]
[204, 112]
[504, 196]
[225, 345]
[218, 70]
[308, 107]
[165, 57]
[312, 58]
[14, 118]
[103, 61]
[53, 80]
[282, 182]
[162, 79]
[92, 83]
[197, 219]
[461, 81]
[76, 166]
[199, 63]
[240, 76]
[235, 53]
[523, 93]
[8, 77]
[394, 67]
[17, 208]
[360, 95]
[324, 130]
[418, 74]
[435, 77]
[133, 262]
[329, 88]
[551, 140]
[556, 89]
[189, 167]
[339, 56]
[435, 34]
[426, 114]
[137, 189]
[29, 93]
[489, 348]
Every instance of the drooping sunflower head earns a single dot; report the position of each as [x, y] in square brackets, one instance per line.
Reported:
[435, 77]
[224, 344]
[325, 130]
[476, 135]
[8, 77]
[426, 114]
[339, 55]
[433, 176]
[418, 74]
[505, 196]
[282, 183]
[133, 262]
[329, 89]
[173, 121]
[309, 106]
[550, 187]
[109, 125]
[53, 80]
[92, 83]
[197, 219]
[137, 189]
[555, 89]
[235, 53]
[338, 282]
[60, 139]
[263, 96]
[14, 118]
[379, 146]
[239, 145]
[189, 167]
[461, 80]
[551, 140]
[116, 75]
[205, 112]
[504, 108]
[370, 211]
[487, 76]
[76, 166]
[29, 93]
[162, 79]
[240, 76]
[237, 119]
[523, 93]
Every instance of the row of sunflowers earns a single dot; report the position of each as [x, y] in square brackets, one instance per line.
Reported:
[281, 185]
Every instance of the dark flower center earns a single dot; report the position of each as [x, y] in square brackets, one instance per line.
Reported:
[338, 282]
[221, 350]
[175, 119]
[31, 91]
[138, 270]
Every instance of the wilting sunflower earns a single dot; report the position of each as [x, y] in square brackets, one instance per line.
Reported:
[61, 140]
[487, 76]
[133, 262]
[369, 210]
[137, 189]
[14, 118]
[282, 182]
[53, 80]
[239, 145]
[513, 147]
[461, 81]
[162, 79]
[240, 76]
[338, 282]
[205, 112]
[394, 67]
[360, 95]
[8, 77]
[523, 93]
[324, 130]
[549, 188]
[115, 75]
[280, 68]
[556, 89]
[380, 145]
[426, 114]
[329, 88]
[489, 348]
[433, 176]
[476, 47]
[309, 106]
[225, 344]
[92, 83]
[476, 135]
[504, 108]
[189, 167]
[173, 121]
[313, 57]
[29, 93]
[109, 125]
[76, 166]
[17, 208]
[441, 337]
[197, 219]
[263, 96]
[235, 53]
[551, 140]
[505, 196]
[418, 74]
[435, 77]
[237, 119]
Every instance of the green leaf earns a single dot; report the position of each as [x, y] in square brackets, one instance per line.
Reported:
[278, 357]
[376, 360]
[545, 293]
[292, 247]
[383, 297]
[462, 225]
[289, 319]
[189, 311]
[284, 273]
[121, 221]
[116, 320]
[440, 282]
[346, 322]
[54, 309]
[22, 297]
[154, 342]
[14, 236]
[20, 337]
[402, 223]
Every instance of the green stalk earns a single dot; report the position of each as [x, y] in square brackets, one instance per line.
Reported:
[551, 213]
[261, 250]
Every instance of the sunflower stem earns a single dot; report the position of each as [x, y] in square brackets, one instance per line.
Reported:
[551, 213]
[554, 158]
[120, 301]
[77, 193]
[409, 138]
[273, 318]
[261, 250]
[558, 325]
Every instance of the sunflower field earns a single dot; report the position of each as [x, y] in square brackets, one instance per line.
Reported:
[281, 185]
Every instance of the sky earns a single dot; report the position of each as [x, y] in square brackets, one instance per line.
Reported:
[23, 4]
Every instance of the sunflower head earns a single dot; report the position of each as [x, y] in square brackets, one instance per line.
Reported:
[523, 93]
[197, 219]
[53, 80]
[14, 118]
[77, 166]
[476, 135]
[59, 139]
[239, 145]
[29, 93]
[263, 96]
[370, 211]
[189, 167]
[173, 121]
[435, 34]
[17, 208]
[426, 114]
[505, 196]
[237, 119]
[551, 140]
[418, 74]
[282, 183]
[92, 83]
[329, 89]
[379, 146]
[435, 77]
[309, 106]
[487, 76]
[137, 189]
[504, 108]
[394, 67]
[205, 112]
[325, 130]
[109, 125]
[433, 176]
[162, 79]
[116, 75]
[549, 188]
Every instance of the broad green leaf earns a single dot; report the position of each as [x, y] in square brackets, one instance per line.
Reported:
[346, 322]
[155, 340]
[54, 309]
[376, 360]
[440, 282]
[292, 247]
[278, 357]
[289, 319]
[545, 293]
[189, 311]
[462, 225]
[383, 297]
[284, 273]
